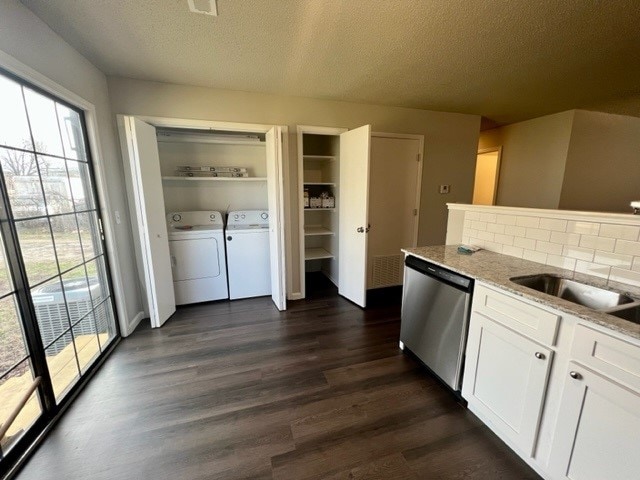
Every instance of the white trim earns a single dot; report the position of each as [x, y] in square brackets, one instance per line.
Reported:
[321, 130]
[408, 136]
[217, 124]
[18, 68]
[601, 217]
[300, 130]
[288, 233]
[134, 322]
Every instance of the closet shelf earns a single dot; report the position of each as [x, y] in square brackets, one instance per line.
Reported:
[328, 184]
[319, 209]
[318, 157]
[315, 230]
[214, 179]
[316, 254]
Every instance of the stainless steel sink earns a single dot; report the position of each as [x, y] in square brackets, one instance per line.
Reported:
[630, 313]
[576, 292]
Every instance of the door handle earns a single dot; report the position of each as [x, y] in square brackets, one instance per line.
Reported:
[360, 230]
[229, 238]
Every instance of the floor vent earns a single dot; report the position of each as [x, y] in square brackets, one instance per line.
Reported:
[387, 270]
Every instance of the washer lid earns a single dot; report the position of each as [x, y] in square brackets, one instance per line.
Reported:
[196, 231]
[255, 226]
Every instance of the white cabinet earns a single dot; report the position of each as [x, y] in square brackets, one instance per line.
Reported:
[598, 429]
[505, 380]
[565, 395]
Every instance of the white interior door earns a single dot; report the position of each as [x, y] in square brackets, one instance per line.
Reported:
[394, 196]
[353, 208]
[275, 192]
[140, 151]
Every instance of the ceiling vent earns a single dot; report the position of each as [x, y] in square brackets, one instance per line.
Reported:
[205, 7]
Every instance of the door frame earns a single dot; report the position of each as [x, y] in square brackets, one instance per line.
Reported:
[498, 166]
[300, 130]
[420, 138]
[172, 122]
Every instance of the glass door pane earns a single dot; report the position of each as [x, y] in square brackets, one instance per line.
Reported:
[16, 373]
[56, 305]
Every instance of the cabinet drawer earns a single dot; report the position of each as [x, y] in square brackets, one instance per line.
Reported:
[615, 358]
[531, 321]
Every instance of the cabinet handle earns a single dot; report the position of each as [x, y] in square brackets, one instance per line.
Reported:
[540, 356]
[575, 375]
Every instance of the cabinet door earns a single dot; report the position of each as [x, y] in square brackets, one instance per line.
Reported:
[598, 431]
[505, 380]
[353, 206]
[144, 185]
[275, 181]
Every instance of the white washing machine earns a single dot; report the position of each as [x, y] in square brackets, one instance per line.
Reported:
[198, 262]
[248, 256]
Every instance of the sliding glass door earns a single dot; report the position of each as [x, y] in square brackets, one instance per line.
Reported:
[56, 306]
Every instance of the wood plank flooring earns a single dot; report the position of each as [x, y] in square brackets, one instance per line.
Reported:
[234, 390]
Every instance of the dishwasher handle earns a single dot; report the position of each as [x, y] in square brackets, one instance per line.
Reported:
[439, 273]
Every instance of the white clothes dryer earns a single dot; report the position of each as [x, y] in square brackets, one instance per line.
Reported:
[198, 262]
[248, 255]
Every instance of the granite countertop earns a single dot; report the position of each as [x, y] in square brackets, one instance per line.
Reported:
[496, 269]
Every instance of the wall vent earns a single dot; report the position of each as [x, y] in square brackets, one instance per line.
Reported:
[387, 270]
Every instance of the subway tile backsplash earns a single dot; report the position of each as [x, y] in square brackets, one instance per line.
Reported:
[606, 250]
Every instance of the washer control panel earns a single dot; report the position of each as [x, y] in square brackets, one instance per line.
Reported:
[248, 217]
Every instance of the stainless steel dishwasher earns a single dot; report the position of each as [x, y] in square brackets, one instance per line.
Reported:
[435, 315]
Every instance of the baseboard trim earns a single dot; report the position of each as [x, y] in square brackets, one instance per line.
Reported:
[133, 324]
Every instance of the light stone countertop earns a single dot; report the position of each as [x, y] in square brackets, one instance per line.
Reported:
[496, 269]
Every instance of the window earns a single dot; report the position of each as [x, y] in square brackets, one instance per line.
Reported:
[56, 306]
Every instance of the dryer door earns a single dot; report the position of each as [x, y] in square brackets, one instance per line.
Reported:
[194, 258]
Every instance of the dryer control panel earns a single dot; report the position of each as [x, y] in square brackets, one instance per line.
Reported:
[248, 217]
[196, 218]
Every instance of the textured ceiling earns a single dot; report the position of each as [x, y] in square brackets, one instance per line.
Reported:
[507, 60]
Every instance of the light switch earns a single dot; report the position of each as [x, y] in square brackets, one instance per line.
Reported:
[445, 188]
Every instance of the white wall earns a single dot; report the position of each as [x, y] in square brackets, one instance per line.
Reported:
[534, 155]
[450, 139]
[574, 160]
[27, 39]
[603, 163]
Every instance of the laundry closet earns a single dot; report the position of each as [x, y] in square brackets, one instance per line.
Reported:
[208, 202]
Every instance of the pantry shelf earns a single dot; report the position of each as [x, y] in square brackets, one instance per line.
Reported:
[316, 230]
[317, 254]
[214, 179]
[318, 157]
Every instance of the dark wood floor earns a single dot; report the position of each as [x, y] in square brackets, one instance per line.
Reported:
[239, 390]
